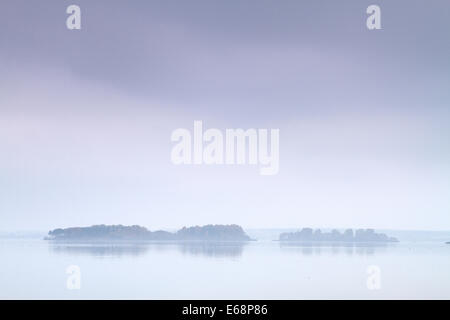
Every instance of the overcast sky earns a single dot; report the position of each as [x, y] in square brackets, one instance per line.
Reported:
[86, 115]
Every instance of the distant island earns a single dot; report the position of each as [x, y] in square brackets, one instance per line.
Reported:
[137, 233]
[360, 235]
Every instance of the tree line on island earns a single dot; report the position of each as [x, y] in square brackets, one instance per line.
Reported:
[209, 232]
[119, 232]
[360, 235]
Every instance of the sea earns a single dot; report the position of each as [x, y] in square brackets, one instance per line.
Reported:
[417, 267]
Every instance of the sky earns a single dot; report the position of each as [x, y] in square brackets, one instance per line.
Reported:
[86, 115]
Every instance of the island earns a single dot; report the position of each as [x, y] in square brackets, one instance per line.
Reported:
[360, 235]
[137, 233]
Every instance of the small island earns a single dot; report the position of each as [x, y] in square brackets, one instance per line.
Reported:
[360, 235]
[137, 233]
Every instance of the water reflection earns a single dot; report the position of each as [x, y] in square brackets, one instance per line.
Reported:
[216, 249]
[347, 248]
[118, 249]
[99, 249]
[212, 249]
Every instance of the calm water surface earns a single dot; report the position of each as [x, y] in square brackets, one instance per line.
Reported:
[36, 269]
